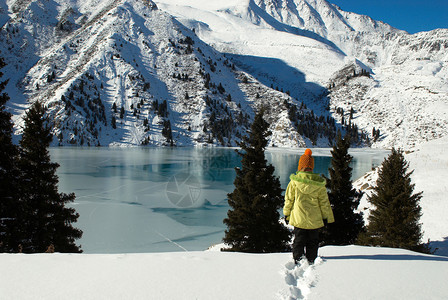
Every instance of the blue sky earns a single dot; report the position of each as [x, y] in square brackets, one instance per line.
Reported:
[410, 15]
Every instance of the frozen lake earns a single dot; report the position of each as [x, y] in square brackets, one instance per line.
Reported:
[165, 199]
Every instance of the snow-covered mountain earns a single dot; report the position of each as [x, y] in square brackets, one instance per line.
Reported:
[405, 96]
[124, 72]
[193, 72]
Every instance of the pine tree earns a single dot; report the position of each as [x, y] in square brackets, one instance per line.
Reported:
[114, 122]
[46, 220]
[343, 197]
[394, 220]
[8, 176]
[167, 132]
[253, 219]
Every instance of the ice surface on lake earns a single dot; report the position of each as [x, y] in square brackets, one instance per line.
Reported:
[163, 199]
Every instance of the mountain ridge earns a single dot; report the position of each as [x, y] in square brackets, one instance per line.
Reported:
[86, 60]
[366, 44]
[166, 81]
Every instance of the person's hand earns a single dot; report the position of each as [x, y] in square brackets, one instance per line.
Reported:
[286, 218]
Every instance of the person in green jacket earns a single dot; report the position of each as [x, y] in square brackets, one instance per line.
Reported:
[307, 208]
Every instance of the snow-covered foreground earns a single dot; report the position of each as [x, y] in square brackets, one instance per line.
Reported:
[350, 272]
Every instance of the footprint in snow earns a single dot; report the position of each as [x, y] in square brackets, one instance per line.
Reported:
[300, 279]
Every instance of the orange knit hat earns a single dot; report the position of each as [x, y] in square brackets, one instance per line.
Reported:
[306, 160]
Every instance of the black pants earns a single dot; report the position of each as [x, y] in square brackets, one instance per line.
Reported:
[306, 242]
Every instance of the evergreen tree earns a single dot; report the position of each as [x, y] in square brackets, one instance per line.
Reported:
[46, 220]
[394, 220]
[343, 197]
[114, 122]
[8, 176]
[253, 219]
[167, 132]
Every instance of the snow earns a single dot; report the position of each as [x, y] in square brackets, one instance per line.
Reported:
[351, 272]
[354, 272]
[240, 27]
[186, 275]
[430, 164]
[307, 42]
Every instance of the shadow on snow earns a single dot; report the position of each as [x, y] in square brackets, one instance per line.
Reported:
[413, 257]
[441, 247]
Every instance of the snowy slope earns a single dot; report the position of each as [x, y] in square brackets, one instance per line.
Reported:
[408, 104]
[406, 96]
[244, 29]
[316, 40]
[342, 273]
[86, 60]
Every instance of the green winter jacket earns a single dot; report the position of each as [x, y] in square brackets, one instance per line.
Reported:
[306, 201]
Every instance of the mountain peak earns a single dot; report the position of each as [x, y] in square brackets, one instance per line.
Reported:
[320, 17]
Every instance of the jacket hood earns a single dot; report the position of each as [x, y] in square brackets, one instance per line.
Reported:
[308, 182]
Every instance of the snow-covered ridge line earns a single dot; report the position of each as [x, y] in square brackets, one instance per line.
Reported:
[411, 68]
[84, 58]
